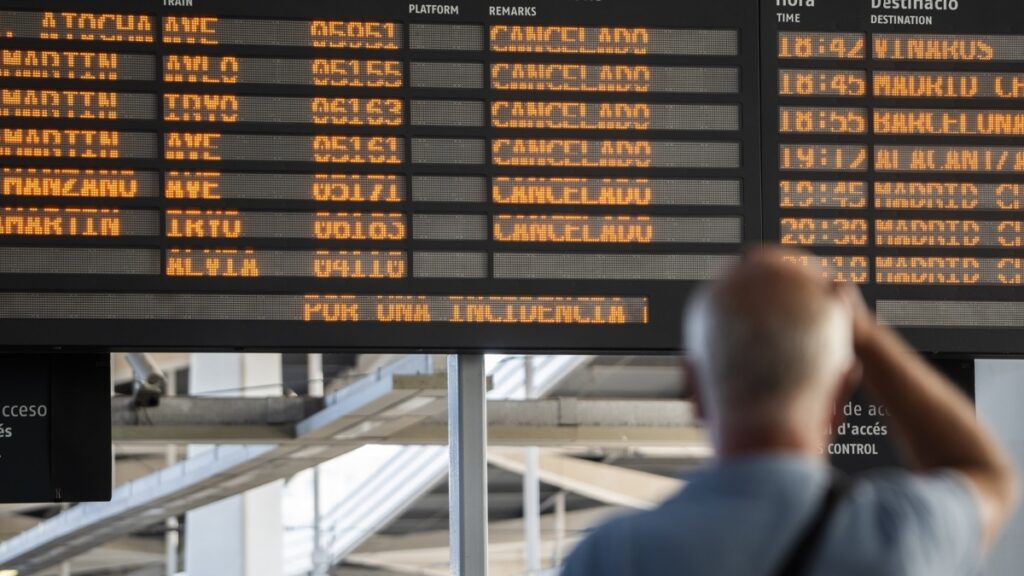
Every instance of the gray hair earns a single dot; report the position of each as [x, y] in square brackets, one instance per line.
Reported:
[761, 340]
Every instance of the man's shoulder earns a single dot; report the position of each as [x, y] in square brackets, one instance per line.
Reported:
[911, 492]
[604, 548]
[922, 523]
[612, 529]
[887, 518]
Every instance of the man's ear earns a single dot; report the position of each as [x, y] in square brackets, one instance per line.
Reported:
[691, 386]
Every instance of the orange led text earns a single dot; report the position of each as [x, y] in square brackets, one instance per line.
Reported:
[571, 77]
[572, 191]
[19, 221]
[573, 229]
[569, 40]
[58, 65]
[102, 27]
[69, 183]
[572, 153]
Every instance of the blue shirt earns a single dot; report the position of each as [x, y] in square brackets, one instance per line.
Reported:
[743, 516]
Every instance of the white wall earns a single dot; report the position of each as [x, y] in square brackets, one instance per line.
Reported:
[999, 390]
[241, 535]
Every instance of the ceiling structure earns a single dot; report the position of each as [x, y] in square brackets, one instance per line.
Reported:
[614, 430]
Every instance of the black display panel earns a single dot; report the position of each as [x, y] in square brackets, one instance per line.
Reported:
[572, 169]
[252, 174]
[55, 428]
[892, 150]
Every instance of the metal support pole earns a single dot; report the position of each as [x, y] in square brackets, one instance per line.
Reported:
[467, 480]
[65, 566]
[171, 535]
[531, 488]
[560, 529]
[315, 375]
[321, 563]
[319, 554]
[171, 539]
[113, 447]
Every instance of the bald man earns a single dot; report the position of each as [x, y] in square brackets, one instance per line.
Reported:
[771, 349]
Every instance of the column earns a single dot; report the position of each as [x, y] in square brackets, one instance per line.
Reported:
[241, 535]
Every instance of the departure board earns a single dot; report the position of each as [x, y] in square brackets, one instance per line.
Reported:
[377, 175]
[555, 176]
[893, 150]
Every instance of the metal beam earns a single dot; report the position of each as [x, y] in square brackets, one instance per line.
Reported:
[210, 420]
[427, 552]
[602, 482]
[412, 471]
[561, 422]
[119, 555]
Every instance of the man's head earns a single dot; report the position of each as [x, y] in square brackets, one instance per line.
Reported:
[770, 346]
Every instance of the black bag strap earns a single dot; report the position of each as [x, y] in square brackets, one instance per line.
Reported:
[800, 555]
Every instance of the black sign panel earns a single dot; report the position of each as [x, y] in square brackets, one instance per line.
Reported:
[371, 175]
[513, 176]
[55, 428]
[866, 439]
[892, 150]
